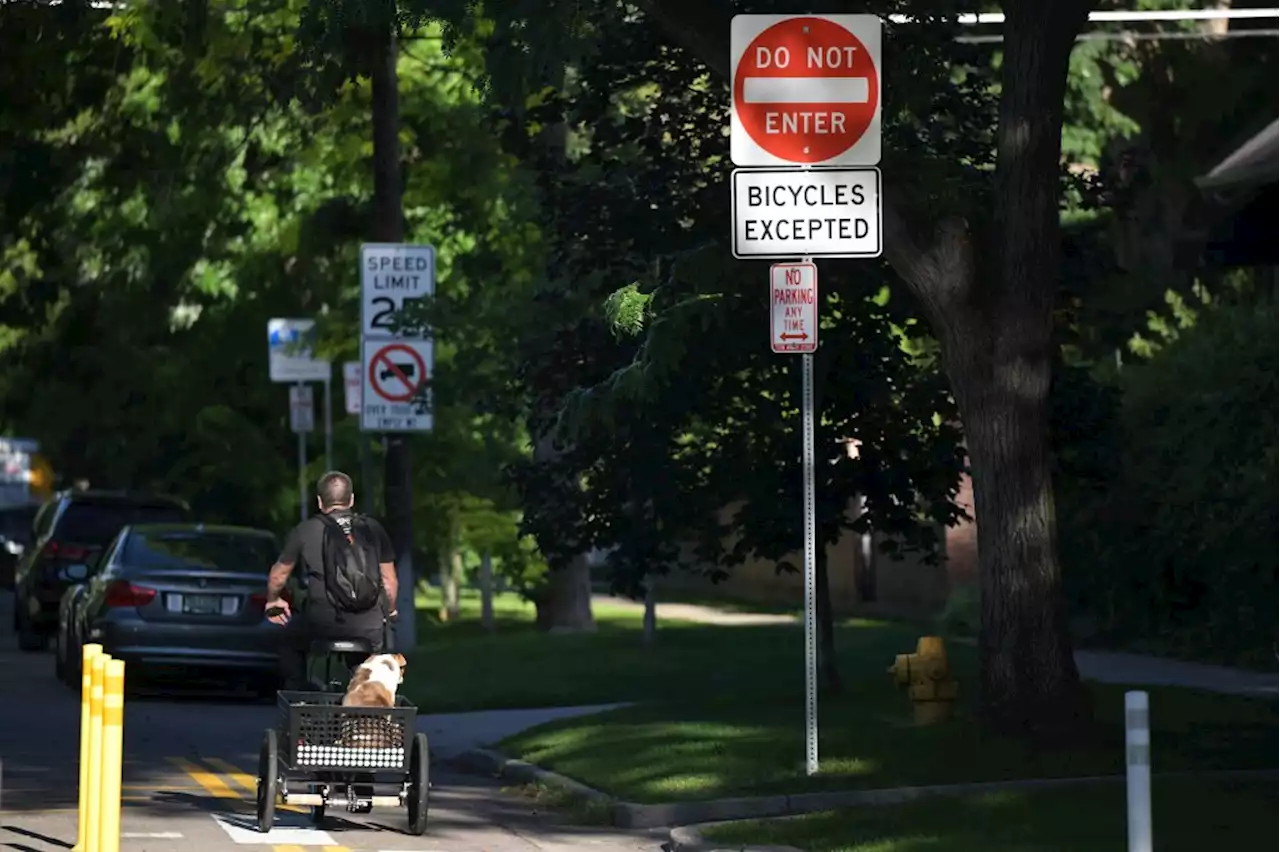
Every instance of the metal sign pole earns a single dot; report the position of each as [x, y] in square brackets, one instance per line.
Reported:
[328, 425]
[302, 471]
[810, 570]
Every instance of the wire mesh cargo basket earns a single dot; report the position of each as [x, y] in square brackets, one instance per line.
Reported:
[320, 735]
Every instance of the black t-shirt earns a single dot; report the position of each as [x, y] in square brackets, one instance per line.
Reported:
[303, 549]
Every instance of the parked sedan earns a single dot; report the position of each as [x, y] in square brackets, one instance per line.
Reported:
[176, 600]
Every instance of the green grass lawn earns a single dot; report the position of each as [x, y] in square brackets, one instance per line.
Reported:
[719, 710]
[1187, 816]
[713, 748]
[458, 666]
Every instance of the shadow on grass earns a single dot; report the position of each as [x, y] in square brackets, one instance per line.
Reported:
[690, 751]
[1188, 816]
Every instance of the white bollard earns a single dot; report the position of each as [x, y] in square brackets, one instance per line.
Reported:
[1137, 749]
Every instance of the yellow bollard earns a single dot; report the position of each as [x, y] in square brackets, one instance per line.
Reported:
[86, 686]
[112, 756]
[93, 813]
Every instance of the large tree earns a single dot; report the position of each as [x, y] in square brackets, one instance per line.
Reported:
[988, 289]
[985, 279]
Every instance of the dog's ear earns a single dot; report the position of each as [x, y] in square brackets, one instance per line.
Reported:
[401, 661]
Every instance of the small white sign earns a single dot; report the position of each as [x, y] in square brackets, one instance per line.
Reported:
[793, 307]
[302, 409]
[395, 393]
[289, 346]
[805, 90]
[391, 276]
[15, 469]
[351, 386]
[788, 213]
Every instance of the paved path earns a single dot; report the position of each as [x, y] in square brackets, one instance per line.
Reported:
[190, 777]
[1102, 666]
[698, 613]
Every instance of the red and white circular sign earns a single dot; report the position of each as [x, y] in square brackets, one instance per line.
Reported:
[806, 90]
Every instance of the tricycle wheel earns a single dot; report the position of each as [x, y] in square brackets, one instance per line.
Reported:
[419, 784]
[268, 780]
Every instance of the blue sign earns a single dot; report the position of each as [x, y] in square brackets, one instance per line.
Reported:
[289, 346]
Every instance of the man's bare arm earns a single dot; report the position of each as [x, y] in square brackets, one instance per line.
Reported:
[389, 582]
[276, 580]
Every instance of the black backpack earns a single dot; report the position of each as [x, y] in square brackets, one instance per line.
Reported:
[352, 578]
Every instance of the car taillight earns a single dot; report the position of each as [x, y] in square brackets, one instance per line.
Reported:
[122, 593]
[70, 552]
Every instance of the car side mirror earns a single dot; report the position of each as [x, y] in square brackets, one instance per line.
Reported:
[77, 573]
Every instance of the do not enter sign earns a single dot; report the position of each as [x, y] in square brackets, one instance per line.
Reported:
[806, 90]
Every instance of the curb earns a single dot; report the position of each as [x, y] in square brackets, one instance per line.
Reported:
[689, 838]
[695, 814]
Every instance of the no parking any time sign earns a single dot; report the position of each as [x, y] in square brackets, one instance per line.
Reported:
[806, 90]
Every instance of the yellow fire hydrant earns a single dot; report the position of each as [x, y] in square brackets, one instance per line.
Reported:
[928, 679]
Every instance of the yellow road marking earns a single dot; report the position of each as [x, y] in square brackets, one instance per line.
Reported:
[247, 782]
[243, 779]
[212, 784]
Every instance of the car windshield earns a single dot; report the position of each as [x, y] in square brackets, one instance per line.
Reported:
[15, 523]
[98, 523]
[191, 550]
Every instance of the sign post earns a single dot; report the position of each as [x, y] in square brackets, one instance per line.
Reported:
[793, 328]
[302, 420]
[805, 132]
[396, 366]
[352, 383]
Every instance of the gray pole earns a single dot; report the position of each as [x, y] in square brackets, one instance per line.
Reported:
[810, 570]
[328, 424]
[302, 473]
[486, 590]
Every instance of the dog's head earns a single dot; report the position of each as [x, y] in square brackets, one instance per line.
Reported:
[394, 662]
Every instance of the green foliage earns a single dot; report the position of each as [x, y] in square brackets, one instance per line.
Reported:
[1172, 540]
[199, 174]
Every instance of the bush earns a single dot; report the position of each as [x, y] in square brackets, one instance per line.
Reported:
[1174, 541]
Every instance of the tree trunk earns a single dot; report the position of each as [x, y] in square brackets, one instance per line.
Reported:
[1000, 364]
[828, 663]
[565, 603]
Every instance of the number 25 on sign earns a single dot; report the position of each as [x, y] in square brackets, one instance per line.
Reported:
[793, 307]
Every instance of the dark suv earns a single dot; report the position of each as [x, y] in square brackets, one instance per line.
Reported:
[71, 529]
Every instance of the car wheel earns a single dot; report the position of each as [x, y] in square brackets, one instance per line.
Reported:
[29, 639]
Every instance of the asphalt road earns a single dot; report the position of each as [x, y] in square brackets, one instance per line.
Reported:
[189, 779]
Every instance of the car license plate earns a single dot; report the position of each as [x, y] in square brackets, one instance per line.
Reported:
[201, 604]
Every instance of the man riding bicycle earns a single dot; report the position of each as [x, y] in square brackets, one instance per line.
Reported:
[341, 603]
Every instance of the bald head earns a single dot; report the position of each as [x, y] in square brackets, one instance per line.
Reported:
[335, 491]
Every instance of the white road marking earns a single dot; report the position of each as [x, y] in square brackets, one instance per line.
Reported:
[289, 830]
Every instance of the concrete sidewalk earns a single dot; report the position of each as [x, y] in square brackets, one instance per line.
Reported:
[1146, 670]
[697, 613]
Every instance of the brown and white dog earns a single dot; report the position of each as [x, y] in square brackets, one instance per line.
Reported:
[375, 681]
